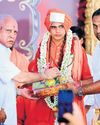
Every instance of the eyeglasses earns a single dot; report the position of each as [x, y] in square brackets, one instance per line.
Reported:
[57, 27]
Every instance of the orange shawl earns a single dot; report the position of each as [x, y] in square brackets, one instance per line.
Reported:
[19, 60]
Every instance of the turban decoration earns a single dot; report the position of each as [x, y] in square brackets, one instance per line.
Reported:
[55, 15]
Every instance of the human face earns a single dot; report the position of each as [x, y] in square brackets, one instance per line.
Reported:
[76, 38]
[57, 31]
[8, 32]
[96, 26]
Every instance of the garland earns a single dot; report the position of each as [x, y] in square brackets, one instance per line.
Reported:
[67, 60]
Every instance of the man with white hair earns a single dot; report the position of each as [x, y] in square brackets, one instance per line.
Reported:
[10, 73]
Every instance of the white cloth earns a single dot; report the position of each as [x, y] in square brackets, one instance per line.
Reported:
[7, 88]
[94, 100]
[96, 72]
[89, 99]
[89, 57]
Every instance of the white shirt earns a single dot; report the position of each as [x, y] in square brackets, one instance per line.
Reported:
[89, 57]
[89, 99]
[7, 88]
[96, 72]
[94, 99]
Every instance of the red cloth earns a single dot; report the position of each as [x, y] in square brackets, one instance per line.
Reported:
[36, 112]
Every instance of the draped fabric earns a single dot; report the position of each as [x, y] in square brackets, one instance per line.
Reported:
[84, 73]
[20, 61]
[37, 111]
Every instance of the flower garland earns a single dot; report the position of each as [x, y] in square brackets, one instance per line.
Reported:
[67, 59]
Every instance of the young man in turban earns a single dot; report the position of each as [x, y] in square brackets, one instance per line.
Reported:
[57, 49]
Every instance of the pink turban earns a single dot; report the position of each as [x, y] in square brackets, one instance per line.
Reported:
[55, 15]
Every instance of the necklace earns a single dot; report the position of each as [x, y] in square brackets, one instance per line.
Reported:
[67, 60]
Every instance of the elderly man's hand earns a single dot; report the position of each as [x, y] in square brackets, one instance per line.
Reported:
[2, 116]
[26, 93]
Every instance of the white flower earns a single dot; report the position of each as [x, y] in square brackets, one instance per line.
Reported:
[67, 60]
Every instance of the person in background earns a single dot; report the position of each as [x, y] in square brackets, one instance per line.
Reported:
[10, 73]
[93, 87]
[79, 34]
[96, 63]
[58, 49]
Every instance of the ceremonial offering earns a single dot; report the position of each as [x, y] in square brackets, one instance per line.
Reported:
[51, 91]
[45, 84]
[49, 87]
